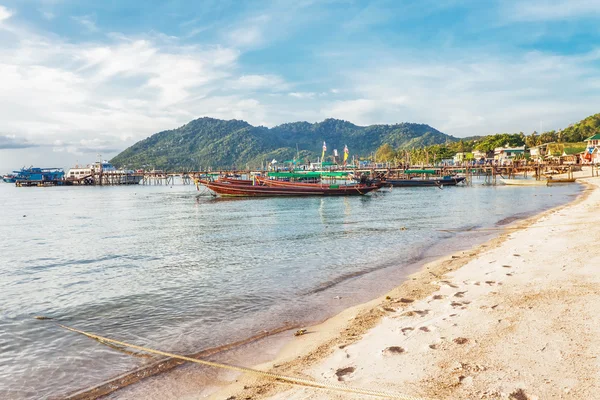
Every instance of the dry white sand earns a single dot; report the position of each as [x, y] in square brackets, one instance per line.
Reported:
[517, 317]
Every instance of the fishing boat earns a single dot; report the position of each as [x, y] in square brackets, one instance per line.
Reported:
[9, 178]
[552, 180]
[524, 182]
[420, 182]
[226, 189]
[542, 182]
[278, 183]
[39, 176]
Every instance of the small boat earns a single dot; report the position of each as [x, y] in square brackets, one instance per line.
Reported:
[524, 182]
[10, 178]
[233, 190]
[420, 182]
[552, 180]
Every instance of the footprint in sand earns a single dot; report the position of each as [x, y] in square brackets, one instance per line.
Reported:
[407, 329]
[438, 297]
[460, 294]
[460, 340]
[424, 329]
[448, 283]
[392, 350]
[342, 372]
[412, 313]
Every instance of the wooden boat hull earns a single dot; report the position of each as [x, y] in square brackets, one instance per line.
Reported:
[236, 181]
[276, 183]
[524, 182]
[561, 180]
[424, 182]
[231, 190]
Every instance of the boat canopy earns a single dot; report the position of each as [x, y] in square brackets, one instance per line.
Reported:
[308, 174]
[422, 171]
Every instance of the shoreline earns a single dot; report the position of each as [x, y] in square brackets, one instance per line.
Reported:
[131, 383]
[349, 326]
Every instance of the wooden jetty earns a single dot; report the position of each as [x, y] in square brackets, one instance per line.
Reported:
[488, 173]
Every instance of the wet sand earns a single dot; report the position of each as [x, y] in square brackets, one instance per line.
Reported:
[512, 318]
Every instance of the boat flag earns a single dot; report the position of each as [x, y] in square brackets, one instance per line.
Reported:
[346, 152]
[324, 150]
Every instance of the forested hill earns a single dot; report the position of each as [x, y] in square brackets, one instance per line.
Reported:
[208, 142]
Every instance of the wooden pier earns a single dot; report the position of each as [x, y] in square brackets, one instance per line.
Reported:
[487, 173]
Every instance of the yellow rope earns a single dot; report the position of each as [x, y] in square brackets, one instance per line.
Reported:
[289, 379]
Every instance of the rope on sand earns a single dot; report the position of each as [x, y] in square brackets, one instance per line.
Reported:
[278, 377]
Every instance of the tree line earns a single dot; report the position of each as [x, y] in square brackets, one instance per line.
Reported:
[575, 134]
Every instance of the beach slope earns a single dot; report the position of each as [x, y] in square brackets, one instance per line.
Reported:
[516, 318]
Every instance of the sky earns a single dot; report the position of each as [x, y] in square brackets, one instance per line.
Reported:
[79, 78]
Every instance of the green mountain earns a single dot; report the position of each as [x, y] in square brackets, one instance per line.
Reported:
[208, 142]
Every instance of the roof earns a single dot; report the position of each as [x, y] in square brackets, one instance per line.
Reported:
[542, 145]
[311, 174]
[421, 171]
[595, 137]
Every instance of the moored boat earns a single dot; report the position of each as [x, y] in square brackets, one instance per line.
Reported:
[232, 190]
[278, 183]
[420, 182]
[9, 178]
[39, 176]
[524, 182]
[552, 180]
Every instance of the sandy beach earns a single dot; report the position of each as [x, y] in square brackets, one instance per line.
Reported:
[513, 318]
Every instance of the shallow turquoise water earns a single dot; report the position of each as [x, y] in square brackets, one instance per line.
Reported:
[164, 267]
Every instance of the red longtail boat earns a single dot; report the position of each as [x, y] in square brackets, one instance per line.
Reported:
[273, 182]
[233, 190]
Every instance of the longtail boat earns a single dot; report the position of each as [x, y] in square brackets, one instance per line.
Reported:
[232, 190]
[274, 182]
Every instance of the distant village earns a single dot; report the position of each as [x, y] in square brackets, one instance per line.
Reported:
[548, 152]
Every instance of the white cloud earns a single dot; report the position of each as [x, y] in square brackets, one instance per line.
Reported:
[5, 13]
[49, 15]
[478, 95]
[246, 37]
[253, 82]
[302, 95]
[87, 22]
[542, 10]
[127, 88]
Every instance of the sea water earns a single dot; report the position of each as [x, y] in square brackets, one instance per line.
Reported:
[171, 268]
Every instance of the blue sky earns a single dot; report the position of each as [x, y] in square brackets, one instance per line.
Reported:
[78, 78]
